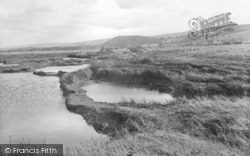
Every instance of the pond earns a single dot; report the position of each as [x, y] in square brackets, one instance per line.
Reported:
[71, 58]
[32, 109]
[8, 65]
[56, 69]
[106, 92]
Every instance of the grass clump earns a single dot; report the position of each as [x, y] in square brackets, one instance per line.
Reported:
[204, 126]
[209, 116]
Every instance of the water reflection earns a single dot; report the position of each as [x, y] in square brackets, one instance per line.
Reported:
[71, 58]
[33, 108]
[63, 68]
[105, 92]
[8, 65]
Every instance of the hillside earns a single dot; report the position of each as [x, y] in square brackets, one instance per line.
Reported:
[91, 43]
[49, 48]
[85, 45]
[241, 33]
[178, 34]
[124, 41]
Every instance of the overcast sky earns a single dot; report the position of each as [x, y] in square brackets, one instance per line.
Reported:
[54, 21]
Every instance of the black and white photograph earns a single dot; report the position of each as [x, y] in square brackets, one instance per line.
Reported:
[124, 78]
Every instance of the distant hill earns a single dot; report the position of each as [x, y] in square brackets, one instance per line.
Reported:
[49, 48]
[124, 41]
[241, 28]
[241, 33]
[91, 43]
[179, 34]
[57, 46]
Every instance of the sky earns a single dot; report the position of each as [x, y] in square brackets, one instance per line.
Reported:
[25, 22]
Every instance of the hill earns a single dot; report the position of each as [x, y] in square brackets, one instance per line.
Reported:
[241, 33]
[173, 35]
[124, 41]
[85, 45]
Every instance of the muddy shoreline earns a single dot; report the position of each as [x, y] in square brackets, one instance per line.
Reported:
[205, 99]
[106, 118]
[112, 119]
[211, 104]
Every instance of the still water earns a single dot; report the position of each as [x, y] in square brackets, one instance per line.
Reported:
[8, 65]
[105, 92]
[71, 58]
[63, 68]
[32, 109]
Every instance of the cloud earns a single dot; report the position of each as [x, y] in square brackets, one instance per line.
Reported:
[135, 4]
[41, 21]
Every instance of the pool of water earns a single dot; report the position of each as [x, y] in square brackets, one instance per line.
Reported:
[63, 68]
[32, 109]
[70, 58]
[105, 92]
[8, 65]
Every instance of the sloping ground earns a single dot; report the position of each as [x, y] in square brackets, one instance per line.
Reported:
[124, 41]
[244, 27]
[159, 143]
[238, 28]
[201, 126]
[93, 42]
[209, 116]
[241, 33]
[56, 46]
[242, 36]
[52, 48]
[178, 34]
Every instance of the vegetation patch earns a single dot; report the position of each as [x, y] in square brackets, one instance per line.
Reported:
[209, 116]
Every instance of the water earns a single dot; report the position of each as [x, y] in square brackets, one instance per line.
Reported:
[71, 58]
[105, 92]
[32, 108]
[8, 65]
[63, 68]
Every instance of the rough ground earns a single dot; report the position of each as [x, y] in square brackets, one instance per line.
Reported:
[210, 115]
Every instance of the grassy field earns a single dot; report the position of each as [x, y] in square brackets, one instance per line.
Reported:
[190, 72]
[28, 62]
[209, 116]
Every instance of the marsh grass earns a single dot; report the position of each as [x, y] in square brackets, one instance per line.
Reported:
[152, 144]
[190, 72]
[209, 116]
[28, 62]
